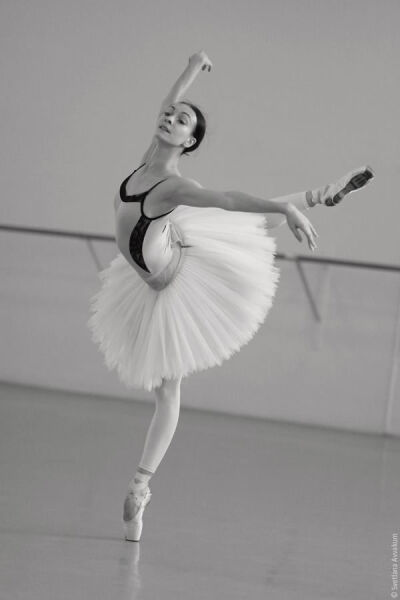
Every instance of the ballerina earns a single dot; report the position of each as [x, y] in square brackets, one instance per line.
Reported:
[194, 277]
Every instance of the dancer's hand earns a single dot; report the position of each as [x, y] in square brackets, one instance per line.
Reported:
[200, 59]
[296, 220]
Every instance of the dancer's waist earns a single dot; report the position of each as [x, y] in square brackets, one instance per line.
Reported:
[161, 279]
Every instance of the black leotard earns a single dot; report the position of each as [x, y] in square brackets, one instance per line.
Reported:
[139, 231]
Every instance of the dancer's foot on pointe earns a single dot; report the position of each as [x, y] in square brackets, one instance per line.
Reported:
[134, 505]
[334, 193]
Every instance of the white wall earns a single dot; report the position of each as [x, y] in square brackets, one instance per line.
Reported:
[337, 372]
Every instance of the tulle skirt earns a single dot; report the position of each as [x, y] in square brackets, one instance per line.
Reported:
[197, 312]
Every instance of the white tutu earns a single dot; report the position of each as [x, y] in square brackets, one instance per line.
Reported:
[215, 303]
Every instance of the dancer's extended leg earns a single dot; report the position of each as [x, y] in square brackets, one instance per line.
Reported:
[328, 195]
[160, 432]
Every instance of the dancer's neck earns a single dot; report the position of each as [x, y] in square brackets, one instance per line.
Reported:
[164, 160]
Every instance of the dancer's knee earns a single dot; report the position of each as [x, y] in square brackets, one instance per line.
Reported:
[168, 393]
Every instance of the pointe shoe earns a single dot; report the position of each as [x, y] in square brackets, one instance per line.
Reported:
[134, 505]
[333, 193]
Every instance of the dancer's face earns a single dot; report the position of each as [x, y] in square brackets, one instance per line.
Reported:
[180, 121]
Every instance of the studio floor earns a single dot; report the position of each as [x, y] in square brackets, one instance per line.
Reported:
[241, 508]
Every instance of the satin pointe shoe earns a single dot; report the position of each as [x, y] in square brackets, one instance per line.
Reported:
[134, 505]
[334, 193]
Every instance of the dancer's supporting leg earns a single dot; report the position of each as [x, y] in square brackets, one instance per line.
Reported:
[160, 432]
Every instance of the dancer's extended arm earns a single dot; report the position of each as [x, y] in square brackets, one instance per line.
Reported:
[197, 62]
[190, 192]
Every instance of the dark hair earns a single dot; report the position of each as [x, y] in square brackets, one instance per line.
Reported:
[199, 130]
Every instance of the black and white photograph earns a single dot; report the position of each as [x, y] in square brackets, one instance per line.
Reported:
[200, 300]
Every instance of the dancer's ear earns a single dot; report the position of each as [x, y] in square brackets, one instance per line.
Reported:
[189, 142]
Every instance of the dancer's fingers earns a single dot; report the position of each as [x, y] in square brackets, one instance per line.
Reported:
[308, 230]
[296, 233]
[311, 244]
[310, 239]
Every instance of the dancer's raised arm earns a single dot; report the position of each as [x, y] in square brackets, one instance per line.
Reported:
[197, 62]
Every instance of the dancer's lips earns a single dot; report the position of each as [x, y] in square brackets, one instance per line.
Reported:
[164, 128]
